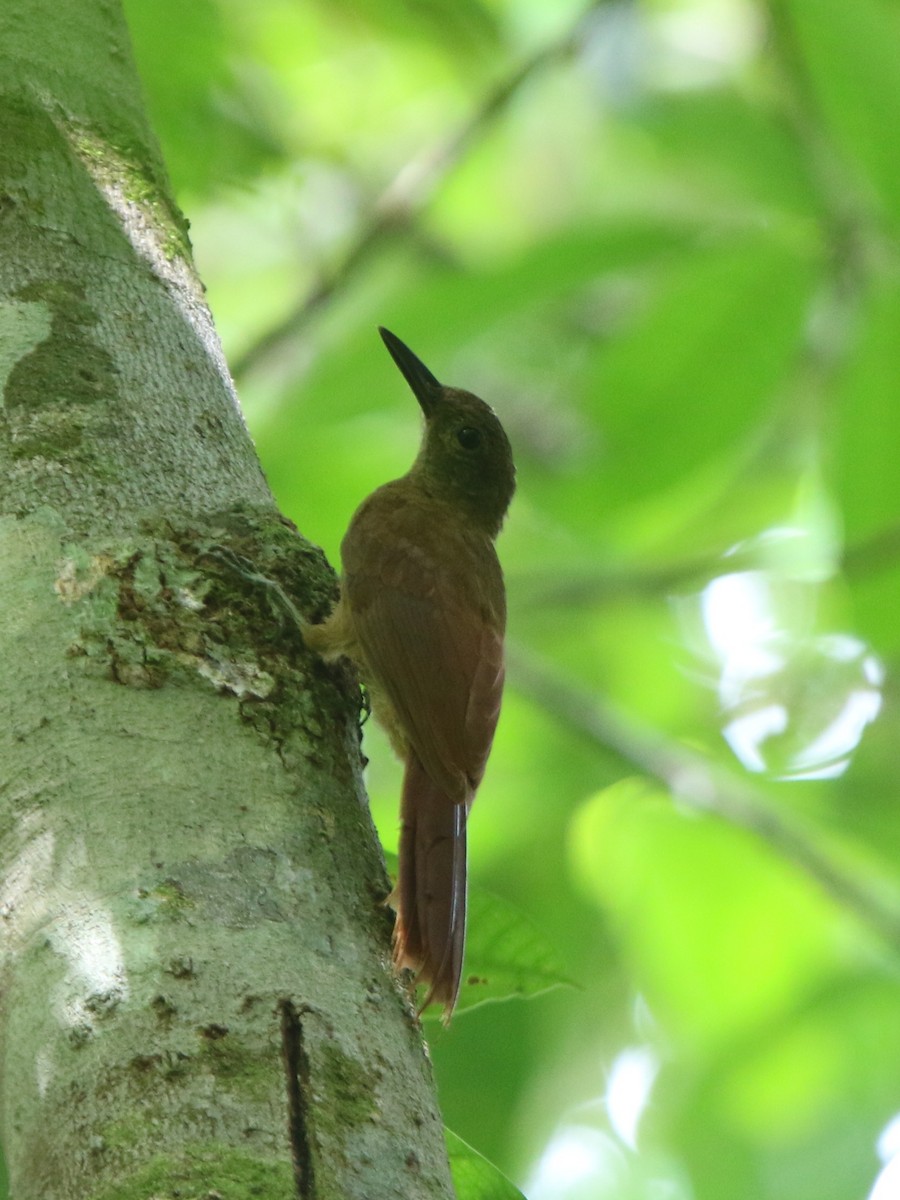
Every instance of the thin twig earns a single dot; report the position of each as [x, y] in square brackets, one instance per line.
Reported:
[703, 786]
[412, 187]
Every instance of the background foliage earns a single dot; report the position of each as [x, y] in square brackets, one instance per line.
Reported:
[661, 239]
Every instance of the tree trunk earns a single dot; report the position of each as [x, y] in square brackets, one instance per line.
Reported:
[196, 999]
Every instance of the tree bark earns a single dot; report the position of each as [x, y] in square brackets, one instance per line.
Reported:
[196, 997]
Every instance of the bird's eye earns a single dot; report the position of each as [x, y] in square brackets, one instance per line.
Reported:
[468, 437]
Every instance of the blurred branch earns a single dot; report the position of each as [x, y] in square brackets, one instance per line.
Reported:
[699, 784]
[880, 551]
[606, 585]
[412, 187]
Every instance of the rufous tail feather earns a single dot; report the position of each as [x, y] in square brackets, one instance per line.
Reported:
[430, 896]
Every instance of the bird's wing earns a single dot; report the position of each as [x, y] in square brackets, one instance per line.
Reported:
[428, 610]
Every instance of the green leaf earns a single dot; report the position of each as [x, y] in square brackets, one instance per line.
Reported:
[506, 955]
[850, 53]
[473, 1176]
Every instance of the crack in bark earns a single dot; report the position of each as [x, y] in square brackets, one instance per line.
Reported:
[296, 1066]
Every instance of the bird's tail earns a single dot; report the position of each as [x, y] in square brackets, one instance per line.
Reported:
[430, 896]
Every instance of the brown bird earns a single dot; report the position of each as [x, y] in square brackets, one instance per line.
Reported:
[422, 613]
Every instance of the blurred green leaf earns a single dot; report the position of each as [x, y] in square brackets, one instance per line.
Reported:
[799, 1102]
[506, 954]
[467, 25]
[734, 150]
[694, 900]
[473, 1176]
[849, 53]
[213, 124]
[697, 370]
[867, 448]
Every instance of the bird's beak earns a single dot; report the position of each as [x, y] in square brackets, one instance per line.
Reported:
[426, 388]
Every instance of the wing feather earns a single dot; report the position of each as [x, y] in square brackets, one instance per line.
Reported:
[427, 602]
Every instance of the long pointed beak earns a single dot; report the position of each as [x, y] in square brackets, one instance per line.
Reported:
[425, 387]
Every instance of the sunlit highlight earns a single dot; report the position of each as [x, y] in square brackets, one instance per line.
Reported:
[795, 701]
[579, 1163]
[585, 1161]
[741, 627]
[889, 1140]
[704, 42]
[95, 981]
[150, 235]
[25, 884]
[887, 1183]
[631, 1080]
[746, 734]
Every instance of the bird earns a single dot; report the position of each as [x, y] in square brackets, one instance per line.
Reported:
[422, 615]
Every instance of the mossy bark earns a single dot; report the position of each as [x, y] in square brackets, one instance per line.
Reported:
[196, 997]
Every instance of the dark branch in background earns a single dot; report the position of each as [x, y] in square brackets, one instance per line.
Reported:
[413, 186]
[703, 786]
